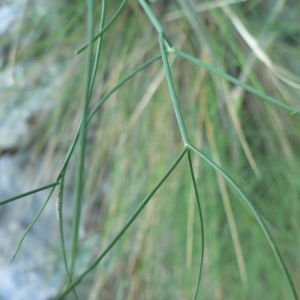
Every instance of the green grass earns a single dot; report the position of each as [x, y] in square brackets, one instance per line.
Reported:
[195, 136]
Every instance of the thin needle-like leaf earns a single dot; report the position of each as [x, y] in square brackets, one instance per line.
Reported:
[29, 193]
[61, 231]
[31, 225]
[201, 224]
[232, 79]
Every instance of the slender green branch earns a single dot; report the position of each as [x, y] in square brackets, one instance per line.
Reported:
[172, 90]
[125, 227]
[112, 20]
[89, 90]
[151, 16]
[80, 166]
[201, 223]
[29, 193]
[120, 83]
[154, 21]
[98, 50]
[59, 208]
[256, 215]
[233, 80]
[31, 225]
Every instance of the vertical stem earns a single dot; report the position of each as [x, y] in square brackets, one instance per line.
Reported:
[201, 223]
[80, 166]
[61, 230]
[172, 90]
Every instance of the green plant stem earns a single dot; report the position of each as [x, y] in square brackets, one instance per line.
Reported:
[151, 16]
[201, 224]
[29, 193]
[98, 49]
[31, 225]
[232, 79]
[154, 21]
[61, 231]
[256, 215]
[125, 227]
[80, 166]
[172, 90]
[89, 90]
[112, 20]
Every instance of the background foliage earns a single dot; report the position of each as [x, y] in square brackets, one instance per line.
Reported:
[134, 138]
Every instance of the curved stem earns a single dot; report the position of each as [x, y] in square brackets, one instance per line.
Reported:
[256, 214]
[201, 223]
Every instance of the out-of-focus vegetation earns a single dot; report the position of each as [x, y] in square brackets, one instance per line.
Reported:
[134, 138]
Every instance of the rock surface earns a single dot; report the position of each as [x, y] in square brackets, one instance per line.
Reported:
[32, 275]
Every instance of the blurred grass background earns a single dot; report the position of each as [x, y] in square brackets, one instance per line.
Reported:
[135, 138]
